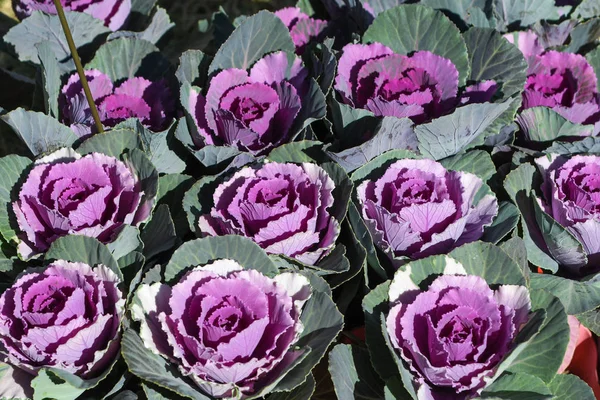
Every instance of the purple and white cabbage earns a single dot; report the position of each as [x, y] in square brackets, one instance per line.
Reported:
[151, 102]
[230, 330]
[417, 208]
[422, 86]
[253, 111]
[67, 316]
[114, 13]
[68, 194]
[285, 208]
[303, 28]
[571, 195]
[454, 334]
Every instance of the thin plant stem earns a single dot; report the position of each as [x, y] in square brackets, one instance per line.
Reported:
[75, 55]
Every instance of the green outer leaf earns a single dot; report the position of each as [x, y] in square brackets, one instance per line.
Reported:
[50, 77]
[544, 352]
[153, 368]
[145, 172]
[570, 387]
[125, 58]
[258, 35]
[591, 320]
[518, 386]
[515, 248]
[476, 162]
[78, 248]
[192, 205]
[469, 11]
[12, 167]
[41, 133]
[518, 184]
[375, 304]
[469, 124]
[322, 323]
[298, 152]
[380, 163]
[352, 374]
[584, 34]
[142, 6]
[112, 143]
[156, 146]
[561, 243]
[302, 392]
[159, 234]
[45, 387]
[158, 27]
[587, 9]
[366, 240]
[201, 251]
[542, 124]
[412, 27]
[523, 12]
[493, 57]
[127, 241]
[593, 57]
[589, 145]
[193, 64]
[504, 223]
[577, 297]
[41, 27]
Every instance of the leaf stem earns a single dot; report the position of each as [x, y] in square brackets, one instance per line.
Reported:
[80, 72]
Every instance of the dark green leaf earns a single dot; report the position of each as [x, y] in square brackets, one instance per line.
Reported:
[112, 143]
[504, 223]
[125, 58]
[40, 27]
[459, 131]
[589, 145]
[127, 241]
[492, 57]
[158, 27]
[201, 251]
[587, 9]
[352, 373]
[142, 6]
[570, 387]
[545, 351]
[78, 248]
[159, 234]
[258, 35]
[584, 34]
[50, 77]
[41, 133]
[12, 167]
[593, 57]
[153, 368]
[414, 27]
[477, 162]
[576, 296]
[523, 12]
[302, 392]
[542, 124]
[518, 387]
[470, 12]
[591, 320]
[193, 64]
[392, 133]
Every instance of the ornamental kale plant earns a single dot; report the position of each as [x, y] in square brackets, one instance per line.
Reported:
[65, 193]
[252, 111]
[417, 208]
[67, 317]
[150, 102]
[330, 199]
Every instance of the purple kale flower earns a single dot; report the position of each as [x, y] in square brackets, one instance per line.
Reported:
[564, 82]
[302, 28]
[418, 208]
[571, 195]
[230, 330]
[284, 208]
[253, 111]
[65, 193]
[454, 335]
[422, 86]
[67, 316]
[150, 102]
[114, 13]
